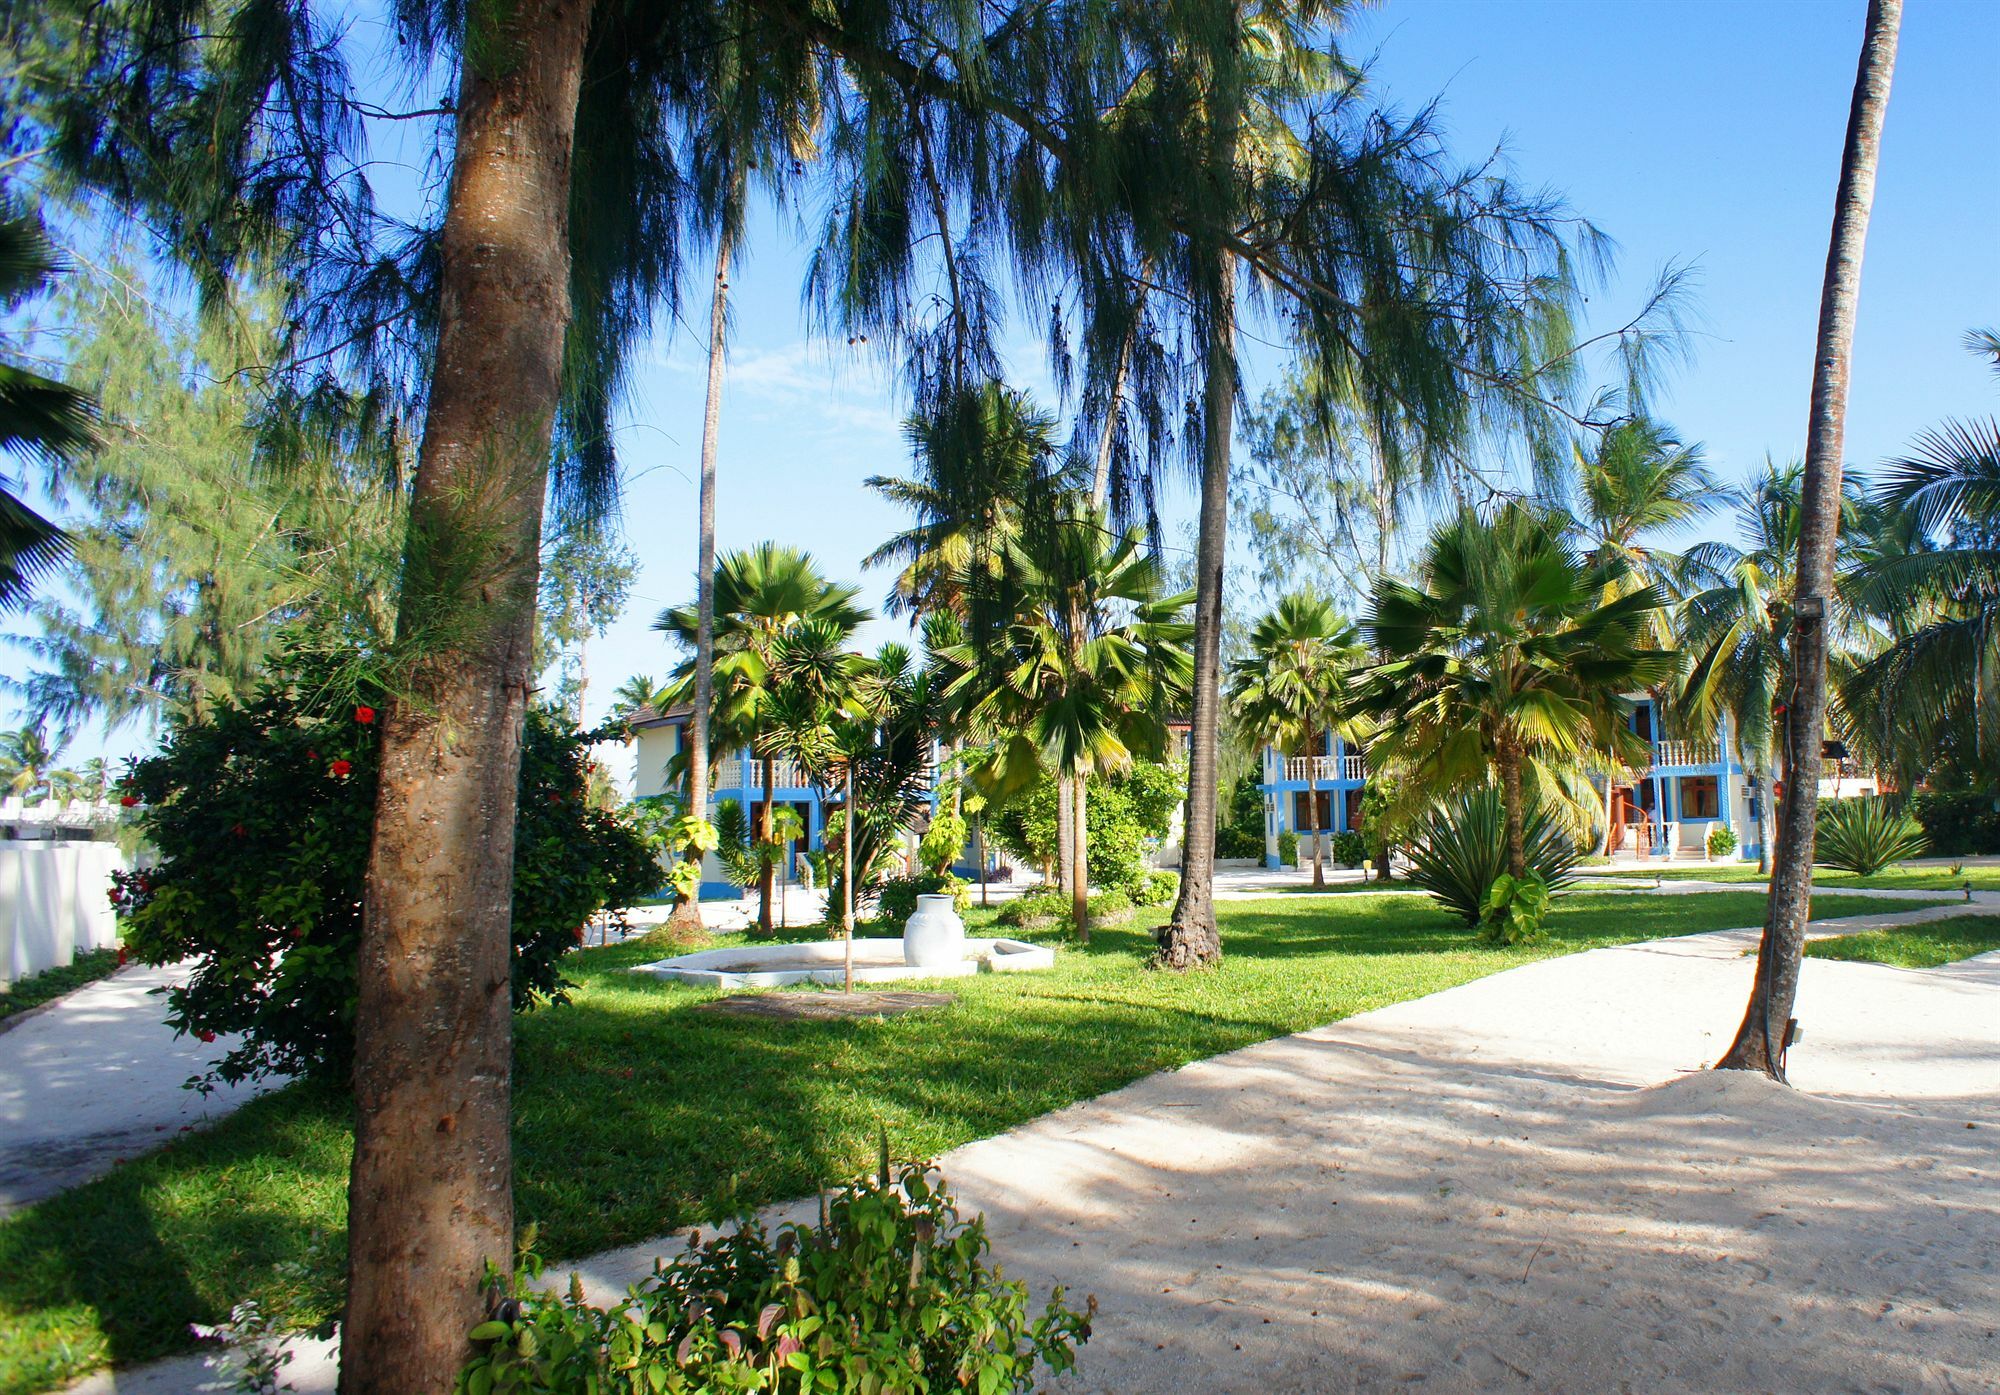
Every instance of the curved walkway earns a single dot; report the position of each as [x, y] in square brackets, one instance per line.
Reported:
[1523, 1183]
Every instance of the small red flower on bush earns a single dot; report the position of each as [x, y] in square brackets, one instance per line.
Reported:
[311, 754]
[205, 1035]
[121, 956]
[130, 801]
[239, 830]
[364, 714]
[341, 767]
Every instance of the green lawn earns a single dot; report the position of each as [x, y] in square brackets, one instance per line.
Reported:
[1900, 878]
[1915, 946]
[50, 984]
[637, 1114]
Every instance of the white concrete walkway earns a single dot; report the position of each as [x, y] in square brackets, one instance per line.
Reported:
[95, 1077]
[1525, 1183]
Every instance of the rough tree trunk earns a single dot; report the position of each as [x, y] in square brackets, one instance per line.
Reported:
[1764, 823]
[1080, 857]
[687, 913]
[1312, 828]
[767, 874]
[1766, 1031]
[1509, 760]
[1065, 837]
[430, 1195]
[1190, 940]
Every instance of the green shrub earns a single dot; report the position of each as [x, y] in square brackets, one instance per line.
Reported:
[896, 902]
[1513, 909]
[1161, 888]
[1288, 849]
[1460, 851]
[1108, 908]
[262, 816]
[1721, 840]
[1035, 911]
[1958, 824]
[1239, 830]
[1865, 835]
[1127, 817]
[942, 842]
[890, 1293]
[1350, 849]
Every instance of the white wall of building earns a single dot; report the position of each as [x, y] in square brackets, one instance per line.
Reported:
[55, 903]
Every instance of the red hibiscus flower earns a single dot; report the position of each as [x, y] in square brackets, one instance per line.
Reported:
[205, 1035]
[341, 767]
[130, 801]
[364, 714]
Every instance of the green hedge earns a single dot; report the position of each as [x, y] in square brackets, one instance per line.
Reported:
[1959, 824]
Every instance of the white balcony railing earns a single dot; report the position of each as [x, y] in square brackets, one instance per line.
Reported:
[736, 774]
[1325, 769]
[1686, 753]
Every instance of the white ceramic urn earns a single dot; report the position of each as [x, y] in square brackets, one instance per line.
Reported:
[935, 936]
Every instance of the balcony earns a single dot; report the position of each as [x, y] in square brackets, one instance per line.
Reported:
[1323, 770]
[736, 774]
[1686, 753]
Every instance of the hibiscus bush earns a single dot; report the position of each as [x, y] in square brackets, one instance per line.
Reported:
[260, 815]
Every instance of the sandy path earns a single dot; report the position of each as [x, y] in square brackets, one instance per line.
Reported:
[1518, 1184]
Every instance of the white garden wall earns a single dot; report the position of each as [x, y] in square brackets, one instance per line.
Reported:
[54, 903]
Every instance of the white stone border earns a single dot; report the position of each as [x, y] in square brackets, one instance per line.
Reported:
[876, 960]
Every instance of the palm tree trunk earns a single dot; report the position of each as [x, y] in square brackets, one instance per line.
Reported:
[1065, 837]
[1312, 828]
[1764, 823]
[979, 844]
[1190, 940]
[1766, 1031]
[688, 912]
[1508, 757]
[847, 882]
[430, 1193]
[1080, 858]
[767, 872]
[1610, 788]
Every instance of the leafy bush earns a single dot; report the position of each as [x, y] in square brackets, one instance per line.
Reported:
[262, 817]
[1958, 824]
[897, 900]
[890, 1293]
[1127, 817]
[1288, 849]
[1461, 851]
[1721, 840]
[1350, 849]
[1239, 831]
[1108, 908]
[1513, 909]
[1035, 911]
[942, 842]
[1385, 822]
[1161, 888]
[1867, 834]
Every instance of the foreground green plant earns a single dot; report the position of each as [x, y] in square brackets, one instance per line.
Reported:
[1867, 834]
[50, 984]
[1460, 852]
[1512, 911]
[890, 1293]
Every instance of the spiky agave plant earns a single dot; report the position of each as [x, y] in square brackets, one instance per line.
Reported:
[1866, 834]
[1461, 850]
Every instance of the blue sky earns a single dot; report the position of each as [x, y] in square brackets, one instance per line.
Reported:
[1703, 132]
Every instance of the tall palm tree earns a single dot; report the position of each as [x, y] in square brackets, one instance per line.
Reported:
[1070, 660]
[28, 761]
[1736, 628]
[1296, 684]
[39, 417]
[1762, 1039]
[762, 595]
[640, 690]
[1928, 704]
[1505, 659]
[1639, 484]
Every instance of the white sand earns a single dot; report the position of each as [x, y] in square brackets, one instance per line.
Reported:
[1521, 1184]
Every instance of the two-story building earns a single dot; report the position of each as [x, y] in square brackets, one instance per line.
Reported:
[658, 737]
[1689, 787]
